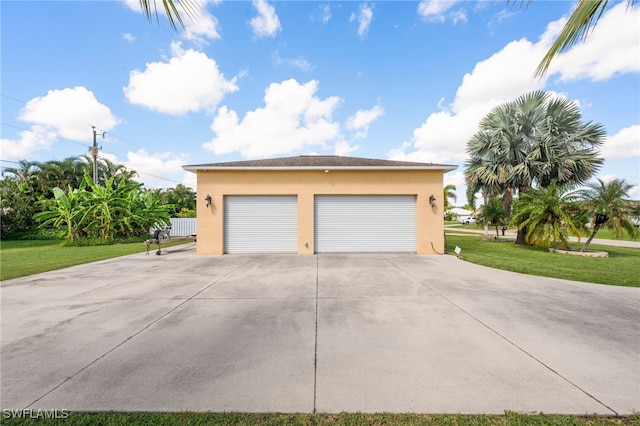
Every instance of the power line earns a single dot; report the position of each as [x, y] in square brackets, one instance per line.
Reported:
[167, 179]
[57, 137]
[93, 149]
[12, 98]
[24, 103]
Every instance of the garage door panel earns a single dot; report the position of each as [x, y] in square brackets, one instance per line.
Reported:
[260, 224]
[346, 224]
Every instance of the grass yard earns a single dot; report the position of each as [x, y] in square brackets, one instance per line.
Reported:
[607, 234]
[350, 419]
[22, 258]
[620, 268]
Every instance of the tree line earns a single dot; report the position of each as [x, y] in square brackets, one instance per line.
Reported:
[59, 199]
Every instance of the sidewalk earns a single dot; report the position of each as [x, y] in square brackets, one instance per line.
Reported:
[512, 234]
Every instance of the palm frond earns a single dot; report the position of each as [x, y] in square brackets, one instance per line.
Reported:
[190, 8]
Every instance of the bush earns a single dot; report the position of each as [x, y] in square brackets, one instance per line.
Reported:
[38, 234]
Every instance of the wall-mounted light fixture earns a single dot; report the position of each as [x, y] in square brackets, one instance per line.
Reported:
[208, 200]
[432, 200]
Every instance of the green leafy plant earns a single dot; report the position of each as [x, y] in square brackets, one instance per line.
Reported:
[548, 214]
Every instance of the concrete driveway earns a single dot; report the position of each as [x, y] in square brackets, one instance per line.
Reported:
[326, 333]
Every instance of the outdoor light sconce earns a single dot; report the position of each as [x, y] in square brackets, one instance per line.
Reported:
[208, 200]
[432, 200]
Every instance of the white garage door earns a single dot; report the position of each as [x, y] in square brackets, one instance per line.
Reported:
[362, 223]
[260, 224]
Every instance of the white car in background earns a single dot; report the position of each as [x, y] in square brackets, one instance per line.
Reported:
[465, 220]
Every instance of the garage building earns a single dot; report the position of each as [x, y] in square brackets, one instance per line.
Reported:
[320, 204]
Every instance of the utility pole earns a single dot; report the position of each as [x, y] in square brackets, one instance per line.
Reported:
[94, 153]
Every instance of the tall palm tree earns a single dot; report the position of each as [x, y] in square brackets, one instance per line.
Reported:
[609, 206]
[499, 160]
[448, 193]
[531, 141]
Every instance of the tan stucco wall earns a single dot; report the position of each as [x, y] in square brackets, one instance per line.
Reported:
[305, 184]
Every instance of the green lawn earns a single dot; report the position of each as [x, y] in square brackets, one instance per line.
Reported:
[605, 234]
[620, 268]
[22, 258]
[346, 419]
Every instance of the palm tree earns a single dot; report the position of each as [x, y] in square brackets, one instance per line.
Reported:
[532, 140]
[583, 19]
[499, 160]
[108, 169]
[24, 173]
[548, 214]
[448, 193]
[609, 206]
[567, 151]
[492, 213]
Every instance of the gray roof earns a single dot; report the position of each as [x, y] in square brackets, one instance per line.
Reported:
[311, 162]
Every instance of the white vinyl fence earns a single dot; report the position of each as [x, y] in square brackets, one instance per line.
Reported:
[181, 227]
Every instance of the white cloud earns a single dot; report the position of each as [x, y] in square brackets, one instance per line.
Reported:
[458, 16]
[442, 137]
[299, 62]
[37, 139]
[364, 18]
[624, 144]
[456, 178]
[66, 113]
[203, 26]
[343, 148]
[611, 49]
[322, 14]
[69, 113]
[361, 120]
[436, 10]
[155, 170]
[196, 84]
[266, 24]
[292, 119]
[508, 74]
[129, 37]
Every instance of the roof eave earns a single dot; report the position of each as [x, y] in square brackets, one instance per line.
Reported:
[195, 168]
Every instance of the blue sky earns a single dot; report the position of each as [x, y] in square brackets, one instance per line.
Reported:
[255, 79]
